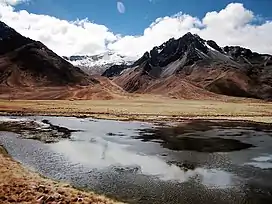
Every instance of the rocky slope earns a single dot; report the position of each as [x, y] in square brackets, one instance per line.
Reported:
[190, 67]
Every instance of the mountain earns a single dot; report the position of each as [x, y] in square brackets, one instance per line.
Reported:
[30, 70]
[97, 64]
[191, 67]
[25, 61]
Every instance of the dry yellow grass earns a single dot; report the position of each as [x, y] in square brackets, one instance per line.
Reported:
[147, 108]
[19, 185]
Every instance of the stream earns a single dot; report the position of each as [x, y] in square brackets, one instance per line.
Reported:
[109, 157]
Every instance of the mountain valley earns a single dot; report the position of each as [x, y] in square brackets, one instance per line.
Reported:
[185, 68]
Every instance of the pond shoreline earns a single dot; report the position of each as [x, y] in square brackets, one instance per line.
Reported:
[36, 130]
[20, 185]
[91, 141]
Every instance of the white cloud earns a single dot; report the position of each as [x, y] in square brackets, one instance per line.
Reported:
[65, 38]
[12, 2]
[157, 33]
[230, 26]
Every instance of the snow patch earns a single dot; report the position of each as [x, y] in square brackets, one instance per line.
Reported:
[97, 64]
[211, 48]
[159, 51]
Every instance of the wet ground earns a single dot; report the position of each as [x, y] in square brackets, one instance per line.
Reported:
[135, 162]
[41, 130]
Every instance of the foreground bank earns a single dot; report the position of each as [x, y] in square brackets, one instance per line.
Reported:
[19, 185]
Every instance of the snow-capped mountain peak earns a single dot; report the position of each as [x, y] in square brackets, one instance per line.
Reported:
[97, 64]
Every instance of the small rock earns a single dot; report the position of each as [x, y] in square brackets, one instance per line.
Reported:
[111, 134]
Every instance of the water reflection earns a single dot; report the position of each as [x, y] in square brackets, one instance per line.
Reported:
[105, 154]
[262, 162]
[105, 157]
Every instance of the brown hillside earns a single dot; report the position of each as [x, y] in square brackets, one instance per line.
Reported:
[191, 67]
[36, 65]
[29, 70]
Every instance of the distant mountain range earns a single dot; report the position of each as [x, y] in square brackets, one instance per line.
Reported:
[189, 67]
[97, 64]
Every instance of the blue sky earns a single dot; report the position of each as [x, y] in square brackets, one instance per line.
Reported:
[62, 26]
[139, 13]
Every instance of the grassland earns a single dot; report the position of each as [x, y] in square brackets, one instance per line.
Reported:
[146, 109]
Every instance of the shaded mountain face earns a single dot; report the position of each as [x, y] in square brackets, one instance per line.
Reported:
[10, 39]
[25, 62]
[231, 70]
[115, 70]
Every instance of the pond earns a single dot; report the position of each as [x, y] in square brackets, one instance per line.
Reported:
[135, 162]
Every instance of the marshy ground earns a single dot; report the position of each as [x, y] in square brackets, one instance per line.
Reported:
[43, 131]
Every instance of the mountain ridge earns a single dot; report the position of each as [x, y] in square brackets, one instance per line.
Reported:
[189, 67]
[32, 60]
[231, 70]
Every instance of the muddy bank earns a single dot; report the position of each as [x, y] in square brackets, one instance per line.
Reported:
[203, 135]
[37, 130]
